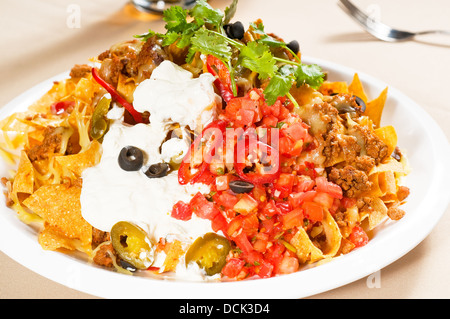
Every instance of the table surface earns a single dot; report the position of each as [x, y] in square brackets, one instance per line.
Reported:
[42, 38]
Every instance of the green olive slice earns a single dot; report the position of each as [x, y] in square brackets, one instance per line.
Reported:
[132, 244]
[209, 252]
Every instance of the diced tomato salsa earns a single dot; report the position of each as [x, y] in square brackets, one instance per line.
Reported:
[292, 195]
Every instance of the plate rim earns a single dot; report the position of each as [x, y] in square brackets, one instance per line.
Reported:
[84, 277]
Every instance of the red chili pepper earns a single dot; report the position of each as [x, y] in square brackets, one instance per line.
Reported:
[270, 173]
[116, 96]
[223, 79]
[185, 171]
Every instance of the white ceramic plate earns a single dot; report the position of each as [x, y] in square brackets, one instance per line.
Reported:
[428, 151]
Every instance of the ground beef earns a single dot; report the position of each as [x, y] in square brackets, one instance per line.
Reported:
[51, 144]
[352, 181]
[80, 70]
[150, 54]
[395, 213]
[336, 143]
[402, 193]
[99, 237]
[104, 256]
[364, 163]
[125, 59]
[375, 148]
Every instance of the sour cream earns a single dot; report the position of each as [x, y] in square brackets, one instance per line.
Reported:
[110, 194]
[173, 95]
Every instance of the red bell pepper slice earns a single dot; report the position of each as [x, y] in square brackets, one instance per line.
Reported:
[61, 107]
[116, 96]
[185, 171]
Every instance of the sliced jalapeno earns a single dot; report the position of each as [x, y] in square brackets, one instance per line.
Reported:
[132, 245]
[99, 122]
[209, 252]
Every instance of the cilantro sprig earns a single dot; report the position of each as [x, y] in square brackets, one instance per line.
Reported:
[201, 29]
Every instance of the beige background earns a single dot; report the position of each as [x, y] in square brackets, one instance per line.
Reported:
[39, 39]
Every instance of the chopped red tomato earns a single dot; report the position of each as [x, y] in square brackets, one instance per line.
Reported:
[233, 267]
[358, 237]
[191, 169]
[292, 219]
[222, 182]
[181, 211]
[245, 205]
[328, 187]
[313, 211]
[203, 208]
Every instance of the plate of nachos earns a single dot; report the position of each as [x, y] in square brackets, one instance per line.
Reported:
[213, 160]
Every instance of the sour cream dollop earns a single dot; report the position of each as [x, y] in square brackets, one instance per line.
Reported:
[173, 95]
[110, 194]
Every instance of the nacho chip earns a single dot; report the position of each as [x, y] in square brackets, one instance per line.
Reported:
[390, 165]
[24, 179]
[374, 108]
[77, 163]
[332, 233]
[356, 88]
[378, 213]
[388, 136]
[174, 251]
[59, 205]
[305, 249]
[51, 239]
[328, 88]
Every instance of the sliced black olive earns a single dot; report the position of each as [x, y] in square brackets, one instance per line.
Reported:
[240, 187]
[294, 46]
[131, 158]
[235, 30]
[360, 103]
[157, 170]
[126, 265]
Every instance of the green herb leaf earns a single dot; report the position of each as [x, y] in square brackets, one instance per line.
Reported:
[204, 11]
[309, 74]
[279, 85]
[208, 42]
[264, 38]
[175, 18]
[258, 58]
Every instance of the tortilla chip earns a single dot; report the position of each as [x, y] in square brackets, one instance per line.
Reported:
[328, 88]
[376, 214]
[356, 88]
[24, 179]
[77, 163]
[59, 205]
[51, 239]
[388, 135]
[333, 235]
[387, 183]
[390, 165]
[174, 251]
[374, 108]
[305, 249]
